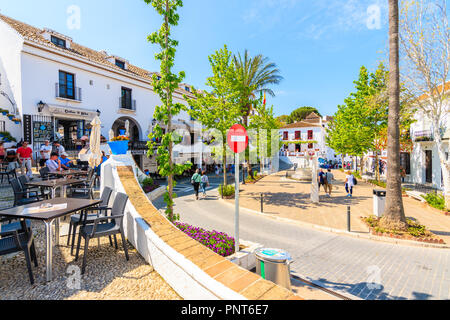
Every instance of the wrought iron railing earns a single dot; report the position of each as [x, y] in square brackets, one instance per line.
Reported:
[67, 92]
[127, 104]
[423, 136]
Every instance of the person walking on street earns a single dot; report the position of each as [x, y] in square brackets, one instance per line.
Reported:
[349, 184]
[196, 180]
[204, 183]
[321, 177]
[25, 154]
[330, 179]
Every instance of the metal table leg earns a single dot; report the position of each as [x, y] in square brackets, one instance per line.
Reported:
[57, 231]
[49, 249]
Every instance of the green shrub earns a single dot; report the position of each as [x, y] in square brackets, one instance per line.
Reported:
[227, 190]
[147, 182]
[435, 200]
[255, 174]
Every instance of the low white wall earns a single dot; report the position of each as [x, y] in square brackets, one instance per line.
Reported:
[187, 279]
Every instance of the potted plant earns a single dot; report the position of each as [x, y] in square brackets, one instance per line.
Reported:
[16, 120]
[4, 111]
[119, 145]
[10, 116]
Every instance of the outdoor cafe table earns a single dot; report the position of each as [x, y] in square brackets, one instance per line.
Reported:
[60, 207]
[54, 184]
[71, 172]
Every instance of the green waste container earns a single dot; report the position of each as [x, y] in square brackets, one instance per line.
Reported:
[274, 265]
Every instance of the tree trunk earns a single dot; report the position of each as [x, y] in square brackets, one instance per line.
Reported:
[225, 181]
[169, 125]
[394, 215]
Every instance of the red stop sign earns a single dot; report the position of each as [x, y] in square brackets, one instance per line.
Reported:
[237, 138]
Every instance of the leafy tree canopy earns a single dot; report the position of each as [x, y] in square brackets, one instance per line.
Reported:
[301, 114]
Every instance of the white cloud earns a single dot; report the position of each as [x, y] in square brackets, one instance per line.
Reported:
[314, 19]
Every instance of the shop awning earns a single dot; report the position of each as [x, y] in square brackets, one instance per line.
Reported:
[71, 112]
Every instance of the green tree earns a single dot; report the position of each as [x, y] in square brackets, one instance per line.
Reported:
[356, 123]
[301, 114]
[255, 76]
[165, 87]
[218, 109]
[264, 121]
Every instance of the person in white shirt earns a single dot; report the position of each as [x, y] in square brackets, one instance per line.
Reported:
[59, 148]
[204, 183]
[349, 183]
[53, 164]
[45, 151]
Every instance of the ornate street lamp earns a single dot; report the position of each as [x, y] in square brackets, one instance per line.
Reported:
[41, 106]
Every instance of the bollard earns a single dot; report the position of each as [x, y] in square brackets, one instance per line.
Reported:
[262, 203]
[348, 219]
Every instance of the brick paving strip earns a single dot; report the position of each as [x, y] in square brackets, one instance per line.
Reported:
[286, 198]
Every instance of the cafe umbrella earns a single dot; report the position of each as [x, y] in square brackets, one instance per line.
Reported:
[95, 158]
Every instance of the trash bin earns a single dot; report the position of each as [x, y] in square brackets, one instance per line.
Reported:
[379, 200]
[274, 265]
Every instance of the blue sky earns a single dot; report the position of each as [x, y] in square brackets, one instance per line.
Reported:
[318, 45]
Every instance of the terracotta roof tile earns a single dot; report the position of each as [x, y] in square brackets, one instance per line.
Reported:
[301, 124]
[34, 34]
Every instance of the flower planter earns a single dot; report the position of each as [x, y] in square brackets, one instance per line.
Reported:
[118, 147]
[10, 117]
[4, 113]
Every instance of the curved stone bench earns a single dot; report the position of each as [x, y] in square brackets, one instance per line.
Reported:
[191, 269]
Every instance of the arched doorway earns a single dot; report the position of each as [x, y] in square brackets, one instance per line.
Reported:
[135, 131]
[135, 134]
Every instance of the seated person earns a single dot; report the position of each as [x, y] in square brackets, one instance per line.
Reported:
[53, 164]
[11, 160]
[66, 163]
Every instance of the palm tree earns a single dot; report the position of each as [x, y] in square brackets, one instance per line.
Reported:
[394, 215]
[255, 76]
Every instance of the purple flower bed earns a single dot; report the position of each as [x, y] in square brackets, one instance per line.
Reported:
[219, 242]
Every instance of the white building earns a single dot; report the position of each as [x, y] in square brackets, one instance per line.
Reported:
[425, 164]
[57, 86]
[307, 137]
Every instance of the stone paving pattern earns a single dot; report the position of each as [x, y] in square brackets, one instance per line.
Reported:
[290, 199]
[341, 263]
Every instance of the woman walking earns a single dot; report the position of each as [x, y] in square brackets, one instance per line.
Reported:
[204, 183]
[196, 180]
[349, 183]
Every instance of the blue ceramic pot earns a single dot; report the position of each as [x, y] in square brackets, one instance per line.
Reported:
[118, 147]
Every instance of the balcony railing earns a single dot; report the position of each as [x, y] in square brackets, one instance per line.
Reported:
[127, 104]
[423, 136]
[67, 92]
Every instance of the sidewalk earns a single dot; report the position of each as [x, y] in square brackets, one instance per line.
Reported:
[291, 199]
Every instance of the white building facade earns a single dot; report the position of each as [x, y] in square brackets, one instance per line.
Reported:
[56, 87]
[425, 163]
[307, 137]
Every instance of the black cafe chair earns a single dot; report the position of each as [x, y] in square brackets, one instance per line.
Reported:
[20, 240]
[106, 226]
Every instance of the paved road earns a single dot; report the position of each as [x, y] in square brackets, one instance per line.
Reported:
[341, 263]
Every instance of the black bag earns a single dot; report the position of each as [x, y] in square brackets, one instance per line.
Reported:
[355, 182]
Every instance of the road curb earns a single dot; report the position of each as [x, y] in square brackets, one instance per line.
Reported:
[344, 232]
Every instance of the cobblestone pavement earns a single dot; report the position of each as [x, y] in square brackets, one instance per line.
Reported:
[108, 275]
[290, 199]
[367, 269]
